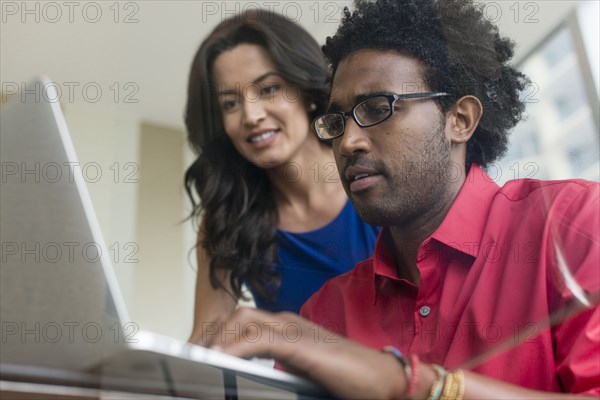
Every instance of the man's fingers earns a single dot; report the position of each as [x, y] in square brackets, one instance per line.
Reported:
[251, 328]
[245, 349]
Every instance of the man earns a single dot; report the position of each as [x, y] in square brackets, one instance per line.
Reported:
[500, 281]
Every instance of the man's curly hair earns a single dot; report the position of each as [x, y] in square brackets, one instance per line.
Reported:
[463, 53]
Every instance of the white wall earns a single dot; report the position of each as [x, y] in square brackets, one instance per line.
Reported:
[151, 45]
[109, 144]
[139, 199]
[161, 304]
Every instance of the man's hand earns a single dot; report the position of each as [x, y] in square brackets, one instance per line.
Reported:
[345, 368]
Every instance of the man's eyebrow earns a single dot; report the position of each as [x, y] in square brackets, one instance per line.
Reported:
[335, 107]
[254, 82]
[365, 96]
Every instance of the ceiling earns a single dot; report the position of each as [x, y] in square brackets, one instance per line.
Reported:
[132, 58]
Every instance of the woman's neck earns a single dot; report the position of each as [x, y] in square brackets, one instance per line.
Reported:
[307, 189]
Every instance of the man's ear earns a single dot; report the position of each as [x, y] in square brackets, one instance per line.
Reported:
[463, 119]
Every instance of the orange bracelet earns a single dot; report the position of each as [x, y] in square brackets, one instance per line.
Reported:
[414, 376]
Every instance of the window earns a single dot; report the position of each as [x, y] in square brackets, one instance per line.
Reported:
[559, 138]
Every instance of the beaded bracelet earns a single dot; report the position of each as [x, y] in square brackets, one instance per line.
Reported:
[408, 375]
[414, 364]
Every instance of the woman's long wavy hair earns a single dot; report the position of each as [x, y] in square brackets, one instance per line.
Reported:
[236, 198]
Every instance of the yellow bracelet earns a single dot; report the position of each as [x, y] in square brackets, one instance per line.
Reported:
[461, 385]
[438, 384]
[454, 386]
[447, 393]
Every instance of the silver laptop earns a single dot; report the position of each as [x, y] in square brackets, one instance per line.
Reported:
[62, 316]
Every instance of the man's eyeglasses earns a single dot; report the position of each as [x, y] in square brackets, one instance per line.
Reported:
[370, 111]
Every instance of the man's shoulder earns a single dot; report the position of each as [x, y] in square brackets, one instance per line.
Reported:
[519, 189]
[569, 203]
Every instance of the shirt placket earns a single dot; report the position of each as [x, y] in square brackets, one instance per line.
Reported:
[426, 329]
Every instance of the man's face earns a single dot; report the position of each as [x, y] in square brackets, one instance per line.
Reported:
[399, 170]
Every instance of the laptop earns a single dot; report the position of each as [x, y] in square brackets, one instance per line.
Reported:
[62, 317]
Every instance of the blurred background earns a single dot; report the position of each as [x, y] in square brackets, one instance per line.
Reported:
[121, 68]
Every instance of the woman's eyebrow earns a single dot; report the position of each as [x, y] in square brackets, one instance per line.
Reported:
[265, 76]
[254, 82]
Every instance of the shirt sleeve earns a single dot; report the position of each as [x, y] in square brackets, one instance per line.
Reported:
[576, 268]
[577, 350]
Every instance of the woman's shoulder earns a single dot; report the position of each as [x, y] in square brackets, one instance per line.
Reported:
[347, 222]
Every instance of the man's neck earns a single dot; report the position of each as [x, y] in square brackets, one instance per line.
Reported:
[406, 239]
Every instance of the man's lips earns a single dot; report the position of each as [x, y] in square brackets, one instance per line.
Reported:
[361, 178]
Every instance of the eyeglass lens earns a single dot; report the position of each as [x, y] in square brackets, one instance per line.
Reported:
[367, 113]
[373, 110]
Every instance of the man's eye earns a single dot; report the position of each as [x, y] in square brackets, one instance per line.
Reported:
[377, 110]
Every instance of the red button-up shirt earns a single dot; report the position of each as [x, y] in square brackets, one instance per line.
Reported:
[502, 268]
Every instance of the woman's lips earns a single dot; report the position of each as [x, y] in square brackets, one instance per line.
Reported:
[264, 138]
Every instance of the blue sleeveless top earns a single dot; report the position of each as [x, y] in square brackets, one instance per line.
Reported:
[308, 259]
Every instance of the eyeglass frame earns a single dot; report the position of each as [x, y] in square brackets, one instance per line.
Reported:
[392, 98]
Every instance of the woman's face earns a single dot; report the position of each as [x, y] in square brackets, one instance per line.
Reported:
[263, 114]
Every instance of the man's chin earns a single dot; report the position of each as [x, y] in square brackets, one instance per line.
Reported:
[372, 214]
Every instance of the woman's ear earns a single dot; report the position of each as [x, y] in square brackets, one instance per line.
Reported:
[463, 119]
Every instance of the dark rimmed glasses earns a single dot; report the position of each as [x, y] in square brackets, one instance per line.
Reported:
[368, 112]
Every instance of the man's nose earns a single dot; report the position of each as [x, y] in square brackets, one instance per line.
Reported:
[354, 139]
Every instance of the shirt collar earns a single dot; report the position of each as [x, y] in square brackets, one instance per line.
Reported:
[463, 226]
[461, 229]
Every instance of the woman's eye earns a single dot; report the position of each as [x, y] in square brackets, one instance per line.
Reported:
[269, 89]
[228, 105]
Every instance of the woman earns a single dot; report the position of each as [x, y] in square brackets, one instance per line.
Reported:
[274, 214]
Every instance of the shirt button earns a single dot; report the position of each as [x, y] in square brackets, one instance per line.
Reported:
[425, 311]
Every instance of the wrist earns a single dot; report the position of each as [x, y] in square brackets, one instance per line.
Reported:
[410, 370]
[427, 378]
[400, 375]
